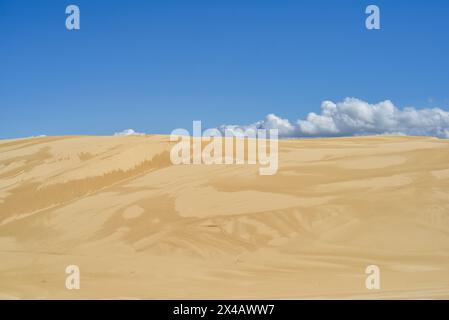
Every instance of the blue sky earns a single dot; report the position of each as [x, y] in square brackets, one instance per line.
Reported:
[157, 65]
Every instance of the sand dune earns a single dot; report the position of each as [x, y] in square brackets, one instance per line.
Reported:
[139, 227]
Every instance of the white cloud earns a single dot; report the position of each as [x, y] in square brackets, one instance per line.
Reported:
[271, 121]
[128, 132]
[353, 117]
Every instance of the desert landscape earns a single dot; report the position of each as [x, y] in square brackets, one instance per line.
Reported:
[139, 227]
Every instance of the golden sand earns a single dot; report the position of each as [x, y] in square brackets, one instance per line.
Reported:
[139, 227]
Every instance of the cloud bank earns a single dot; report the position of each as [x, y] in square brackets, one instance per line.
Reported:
[128, 132]
[354, 117]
